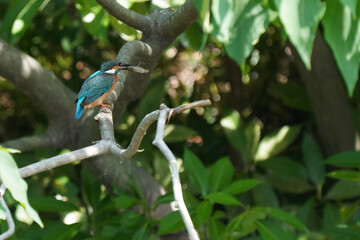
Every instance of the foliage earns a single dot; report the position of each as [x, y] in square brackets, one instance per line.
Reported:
[252, 166]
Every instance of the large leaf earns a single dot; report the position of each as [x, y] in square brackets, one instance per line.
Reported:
[266, 232]
[241, 186]
[170, 223]
[221, 174]
[341, 31]
[18, 17]
[276, 142]
[196, 171]
[344, 189]
[94, 18]
[238, 24]
[234, 130]
[314, 160]
[10, 176]
[301, 19]
[345, 159]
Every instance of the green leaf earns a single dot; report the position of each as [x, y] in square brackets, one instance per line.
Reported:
[351, 4]
[344, 189]
[50, 204]
[215, 229]
[351, 175]
[345, 159]
[244, 223]
[9, 150]
[177, 133]
[152, 98]
[276, 142]
[90, 188]
[284, 217]
[25, 17]
[10, 177]
[203, 212]
[223, 198]
[266, 232]
[341, 32]
[196, 171]
[61, 231]
[269, 230]
[238, 24]
[331, 215]
[142, 233]
[262, 190]
[170, 223]
[167, 198]
[221, 174]
[94, 18]
[241, 186]
[126, 201]
[234, 130]
[314, 160]
[301, 19]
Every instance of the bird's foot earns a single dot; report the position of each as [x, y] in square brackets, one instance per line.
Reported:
[105, 104]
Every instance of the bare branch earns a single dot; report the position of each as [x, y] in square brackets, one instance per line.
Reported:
[9, 219]
[160, 143]
[152, 117]
[101, 147]
[182, 18]
[40, 84]
[127, 16]
[29, 143]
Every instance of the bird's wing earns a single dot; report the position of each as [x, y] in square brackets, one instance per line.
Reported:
[95, 86]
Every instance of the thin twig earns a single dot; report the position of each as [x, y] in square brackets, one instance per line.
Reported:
[9, 218]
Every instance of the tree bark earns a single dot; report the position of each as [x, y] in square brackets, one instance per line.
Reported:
[325, 86]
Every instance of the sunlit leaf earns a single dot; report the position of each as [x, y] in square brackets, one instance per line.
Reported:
[301, 19]
[276, 142]
[10, 176]
[238, 24]
[341, 31]
[234, 130]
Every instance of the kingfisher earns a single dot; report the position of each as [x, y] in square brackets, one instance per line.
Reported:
[100, 84]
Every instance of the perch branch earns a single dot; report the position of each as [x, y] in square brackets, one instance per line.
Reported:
[9, 219]
[127, 16]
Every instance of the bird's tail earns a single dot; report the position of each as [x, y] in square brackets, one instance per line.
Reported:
[79, 108]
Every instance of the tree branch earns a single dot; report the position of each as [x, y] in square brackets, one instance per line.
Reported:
[127, 16]
[40, 84]
[182, 18]
[9, 218]
[29, 143]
